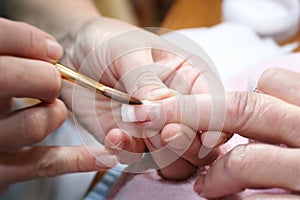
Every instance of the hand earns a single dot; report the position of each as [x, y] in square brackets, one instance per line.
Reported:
[130, 59]
[272, 120]
[26, 54]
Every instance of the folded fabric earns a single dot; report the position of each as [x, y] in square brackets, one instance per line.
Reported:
[261, 15]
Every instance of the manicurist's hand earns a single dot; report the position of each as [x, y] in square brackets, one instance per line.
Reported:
[26, 70]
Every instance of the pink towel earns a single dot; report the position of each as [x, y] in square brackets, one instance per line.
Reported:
[151, 186]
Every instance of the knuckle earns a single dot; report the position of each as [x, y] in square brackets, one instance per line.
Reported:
[48, 166]
[242, 107]
[55, 81]
[237, 160]
[32, 36]
[34, 127]
[52, 81]
[80, 161]
[291, 128]
[58, 161]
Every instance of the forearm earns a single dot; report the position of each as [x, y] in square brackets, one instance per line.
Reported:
[56, 17]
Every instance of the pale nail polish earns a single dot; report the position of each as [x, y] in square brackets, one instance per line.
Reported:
[178, 141]
[54, 50]
[106, 161]
[141, 113]
[128, 113]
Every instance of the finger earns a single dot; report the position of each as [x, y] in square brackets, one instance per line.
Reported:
[129, 149]
[272, 197]
[214, 138]
[146, 84]
[31, 42]
[30, 125]
[35, 162]
[171, 165]
[5, 105]
[20, 77]
[118, 139]
[180, 169]
[187, 79]
[244, 167]
[281, 83]
[183, 141]
[256, 116]
[136, 69]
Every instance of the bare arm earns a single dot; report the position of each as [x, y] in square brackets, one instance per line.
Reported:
[55, 17]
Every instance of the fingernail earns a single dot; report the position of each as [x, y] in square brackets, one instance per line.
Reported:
[148, 111]
[211, 139]
[178, 141]
[118, 147]
[54, 50]
[204, 151]
[154, 140]
[106, 161]
[128, 113]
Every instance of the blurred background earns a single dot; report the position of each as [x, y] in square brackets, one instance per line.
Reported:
[143, 13]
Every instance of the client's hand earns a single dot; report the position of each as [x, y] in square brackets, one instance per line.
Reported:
[142, 64]
[272, 118]
[26, 70]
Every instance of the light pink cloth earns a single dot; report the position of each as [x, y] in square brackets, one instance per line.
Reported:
[151, 186]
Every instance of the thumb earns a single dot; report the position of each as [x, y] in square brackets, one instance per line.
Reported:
[140, 76]
[31, 42]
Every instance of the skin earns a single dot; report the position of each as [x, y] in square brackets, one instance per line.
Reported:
[251, 115]
[128, 73]
[79, 40]
[26, 70]
[246, 165]
[270, 118]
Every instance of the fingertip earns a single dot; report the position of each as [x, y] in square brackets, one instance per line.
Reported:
[265, 76]
[62, 109]
[169, 131]
[31, 42]
[54, 50]
[178, 170]
[106, 161]
[116, 140]
[212, 139]
[198, 185]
